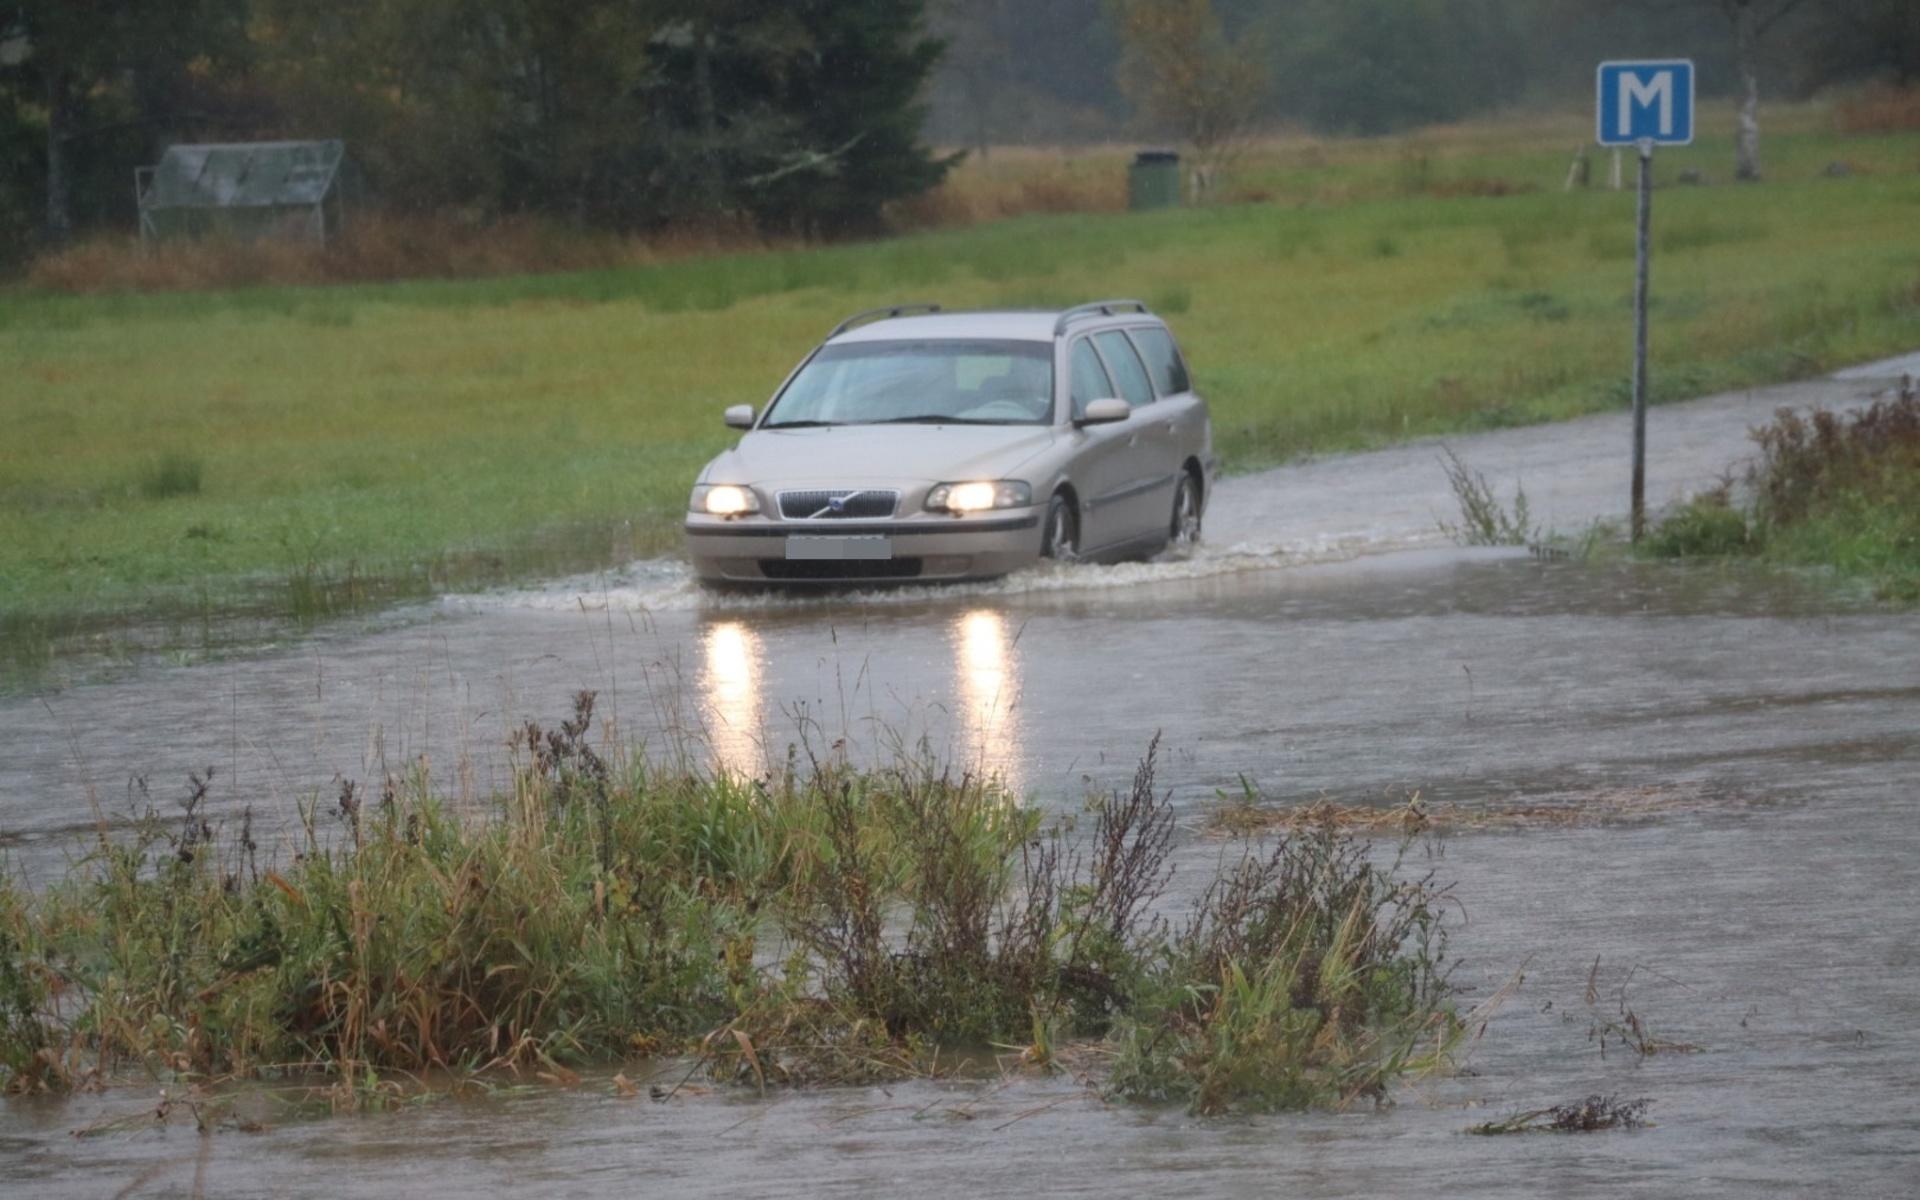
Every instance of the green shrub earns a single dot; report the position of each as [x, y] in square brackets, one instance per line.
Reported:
[28, 1059]
[1708, 524]
[1308, 976]
[1832, 490]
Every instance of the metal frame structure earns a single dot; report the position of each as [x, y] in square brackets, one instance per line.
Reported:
[254, 189]
[1099, 308]
[871, 315]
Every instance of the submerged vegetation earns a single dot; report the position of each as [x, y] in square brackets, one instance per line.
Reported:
[1591, 1115]
[1408, 814]
[822, 924]
[1827, 490]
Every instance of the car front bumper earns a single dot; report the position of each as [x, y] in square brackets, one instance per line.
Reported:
[754, 549]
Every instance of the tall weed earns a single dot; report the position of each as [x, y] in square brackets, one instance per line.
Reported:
[1484, 520]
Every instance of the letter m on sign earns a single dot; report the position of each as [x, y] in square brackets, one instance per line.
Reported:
[1646, 102]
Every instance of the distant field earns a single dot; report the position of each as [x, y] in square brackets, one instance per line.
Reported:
[298, 448]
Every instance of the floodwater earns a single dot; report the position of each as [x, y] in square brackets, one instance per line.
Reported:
[1760, 911]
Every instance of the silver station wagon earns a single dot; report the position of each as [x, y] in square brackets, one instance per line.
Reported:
[919, 444]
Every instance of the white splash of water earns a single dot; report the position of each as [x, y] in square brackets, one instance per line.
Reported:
[663, 585]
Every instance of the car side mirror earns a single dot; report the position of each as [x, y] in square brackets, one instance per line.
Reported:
[739, 416]
[1105, 412]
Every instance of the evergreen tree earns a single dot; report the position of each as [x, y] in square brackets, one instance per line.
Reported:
[851, 83]
[106, 82]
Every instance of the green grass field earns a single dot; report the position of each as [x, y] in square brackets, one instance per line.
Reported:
[294, 449]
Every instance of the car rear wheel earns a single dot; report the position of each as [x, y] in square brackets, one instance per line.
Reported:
[1062, 540]
[1183, 531]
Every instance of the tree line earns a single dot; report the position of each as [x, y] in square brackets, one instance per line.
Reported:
[800, 116]
[1020, 71]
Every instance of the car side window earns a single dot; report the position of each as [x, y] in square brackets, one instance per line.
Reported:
[1125, 364]
[1090, 380]
[1163, 361]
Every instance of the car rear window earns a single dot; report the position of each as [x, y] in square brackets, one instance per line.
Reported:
[1163, 361]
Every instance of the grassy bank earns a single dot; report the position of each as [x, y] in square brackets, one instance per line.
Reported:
[306, 449]
[1835, 492]
[824, 925]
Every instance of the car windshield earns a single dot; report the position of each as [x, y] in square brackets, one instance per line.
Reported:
[926, 382]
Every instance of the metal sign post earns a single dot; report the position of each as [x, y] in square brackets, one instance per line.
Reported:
[1644, 244]
[1643, 104]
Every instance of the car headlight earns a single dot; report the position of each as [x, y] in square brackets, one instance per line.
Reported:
[978, 497]
[723, 500]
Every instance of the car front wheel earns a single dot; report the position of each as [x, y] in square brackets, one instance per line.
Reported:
[1062, 539]
[1183, 531]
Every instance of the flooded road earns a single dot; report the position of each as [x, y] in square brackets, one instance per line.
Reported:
[1763, 915]
[1284, 639]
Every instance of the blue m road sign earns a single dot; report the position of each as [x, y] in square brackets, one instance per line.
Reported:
[1646, 102]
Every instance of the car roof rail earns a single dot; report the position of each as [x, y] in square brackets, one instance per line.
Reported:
[1099, 308]
[880, 314]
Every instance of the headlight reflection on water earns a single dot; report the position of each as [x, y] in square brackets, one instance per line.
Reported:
[731, 681]
[987, 688]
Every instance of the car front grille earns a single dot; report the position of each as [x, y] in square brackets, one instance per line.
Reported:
[826, 570]
[829, 504]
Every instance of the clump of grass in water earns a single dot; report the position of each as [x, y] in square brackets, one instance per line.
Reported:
[312, 593]
[29, 1058]
[1307, 976]
[1009, 931]
[1708, 524]
[610, 910]
[1626, 1028]
[27, 645]
[399, 939]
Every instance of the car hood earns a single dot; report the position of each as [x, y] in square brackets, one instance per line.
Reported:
[851, 453]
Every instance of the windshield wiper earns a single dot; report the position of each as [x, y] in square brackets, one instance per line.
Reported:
[798, 424]
[932, 420]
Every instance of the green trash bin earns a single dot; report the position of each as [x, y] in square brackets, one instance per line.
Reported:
[1153, 181]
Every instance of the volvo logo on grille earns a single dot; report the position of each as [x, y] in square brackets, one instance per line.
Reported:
[837, 505]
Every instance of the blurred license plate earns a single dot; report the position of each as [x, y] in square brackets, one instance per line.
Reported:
[840, 549]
